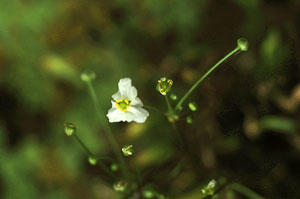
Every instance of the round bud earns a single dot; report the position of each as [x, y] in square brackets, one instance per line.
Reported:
[127, 150]
[88, 76]
[189, 120]
[193, 106]
[148, 194]
[92, 160]
[180, 108]
[120, 186]
[243, 44]
[160, 196]
[70, 129]
[173, 97]
[114, 167]
[172, 117]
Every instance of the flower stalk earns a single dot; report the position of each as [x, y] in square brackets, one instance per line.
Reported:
[242, 45]
[106, 128]
[92, 156]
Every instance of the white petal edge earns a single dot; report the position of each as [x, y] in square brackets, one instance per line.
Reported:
[124, 83]
[136, 102]
[117, 96]
[114, 114]
[137, 114]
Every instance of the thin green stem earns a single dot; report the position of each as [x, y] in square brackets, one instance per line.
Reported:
[106, 170]
[91, 154]
[169, 105]
[204, 76]
[179, 137]
[152, 108]
[83, 145]
[115, 146]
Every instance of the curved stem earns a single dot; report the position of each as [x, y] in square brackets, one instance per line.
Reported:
[204, 76]
[106, 128]
[91, 154]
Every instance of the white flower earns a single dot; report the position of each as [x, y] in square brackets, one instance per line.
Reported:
[126, 106]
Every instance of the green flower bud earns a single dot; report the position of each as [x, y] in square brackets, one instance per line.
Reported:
[120, 186]
[173, 97]
[92, 160]
[189, 120]
[160, 196]
[70, 128]
[243, 44]
[193, 106]
[127, 150]
[148, 194]
[88, 76]
[210, 188]
[164, 85]
[114, 167]
[172, 117]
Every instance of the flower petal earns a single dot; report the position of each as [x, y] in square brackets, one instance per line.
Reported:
[114, 114]
[117, 96]
[136, 102]
[131, 93]
[124, 84]
[137, 114]
[126, 90]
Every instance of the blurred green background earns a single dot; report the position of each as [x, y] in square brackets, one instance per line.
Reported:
[246, 128]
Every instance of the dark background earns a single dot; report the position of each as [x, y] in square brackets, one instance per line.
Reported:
[246, 127]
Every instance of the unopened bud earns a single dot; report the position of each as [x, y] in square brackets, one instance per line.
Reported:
[120, 186]
[70, 129]
[193, 106]
[149, 193]
[127, 150]
[114, 167]
[161, 196]
[92, 160]
[210, 188]
[88, 76]
[243, 44]
[172, 117]
[173, 97]
[164, 85]
[189, 120]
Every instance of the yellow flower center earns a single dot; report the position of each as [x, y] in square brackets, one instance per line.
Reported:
[122, 104]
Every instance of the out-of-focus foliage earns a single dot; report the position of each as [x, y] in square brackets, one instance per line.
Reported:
[245, 128]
